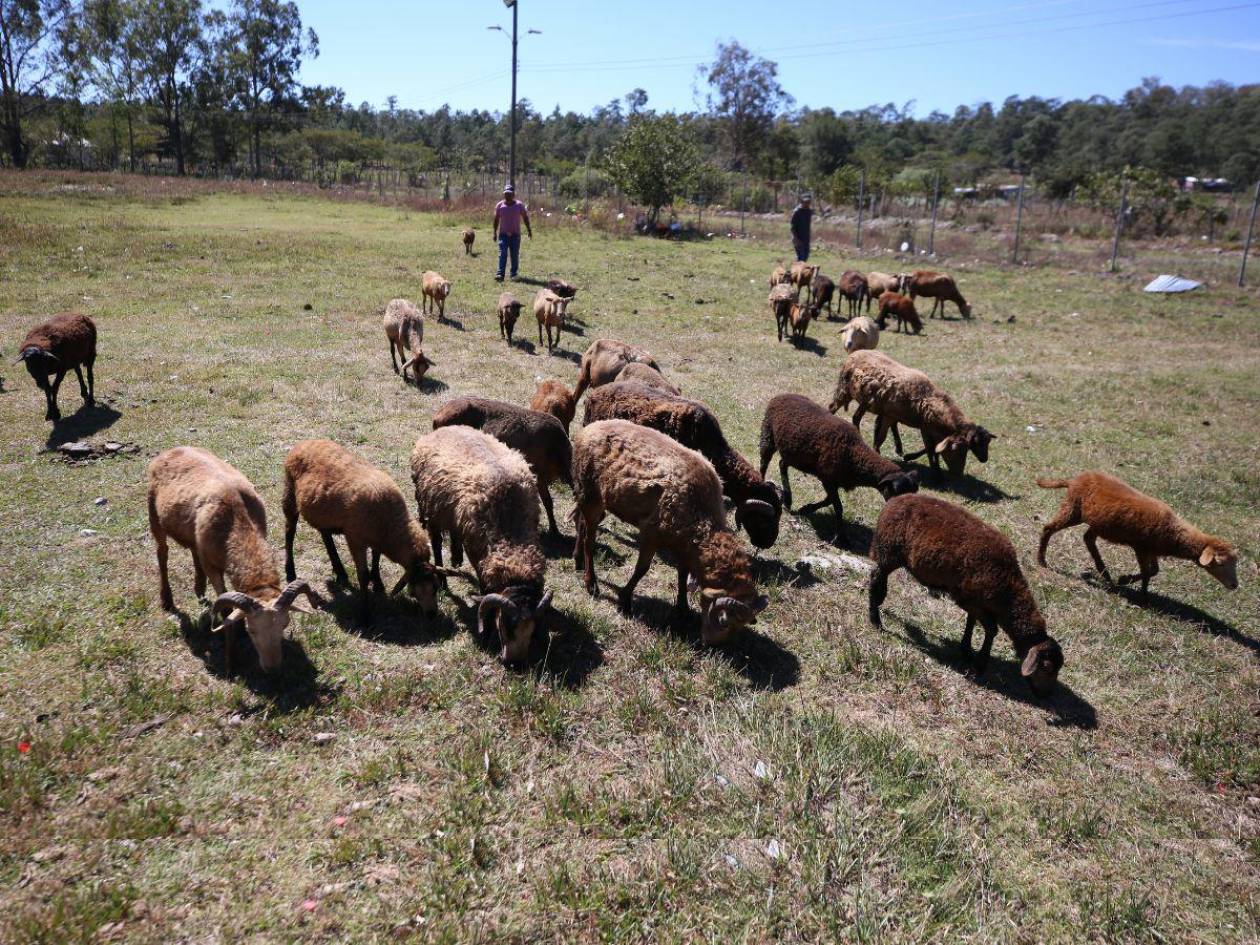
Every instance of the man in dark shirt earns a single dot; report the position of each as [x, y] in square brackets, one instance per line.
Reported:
[801, 218]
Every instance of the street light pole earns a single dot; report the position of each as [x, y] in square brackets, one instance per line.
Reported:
[512, 153]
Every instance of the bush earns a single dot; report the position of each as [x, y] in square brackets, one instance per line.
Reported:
[586, 182]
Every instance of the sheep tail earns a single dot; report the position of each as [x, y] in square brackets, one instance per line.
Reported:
[1046, 483]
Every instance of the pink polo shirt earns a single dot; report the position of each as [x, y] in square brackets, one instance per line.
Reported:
[509, 216]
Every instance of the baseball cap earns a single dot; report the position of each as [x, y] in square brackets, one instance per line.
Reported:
[509, 189]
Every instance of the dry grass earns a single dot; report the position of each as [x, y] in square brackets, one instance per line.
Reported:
[818, 781]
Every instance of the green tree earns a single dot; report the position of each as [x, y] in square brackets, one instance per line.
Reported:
[31, 55]
[169, 36]
[744, 96]
[112, 52]
[654, 161]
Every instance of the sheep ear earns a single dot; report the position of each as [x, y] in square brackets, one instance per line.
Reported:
[942, 446]
[1207, 556]
[1029, 666]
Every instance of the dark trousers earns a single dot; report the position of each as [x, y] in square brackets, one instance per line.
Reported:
[510, 244]
[802, 249]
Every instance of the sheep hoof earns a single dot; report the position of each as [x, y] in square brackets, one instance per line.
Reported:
[876, 622]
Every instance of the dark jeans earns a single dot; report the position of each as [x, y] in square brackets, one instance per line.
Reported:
[802, 249]
[509, 244]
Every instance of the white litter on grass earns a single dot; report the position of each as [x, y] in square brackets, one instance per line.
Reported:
[846, 562]
[761, 771]
[1030, 428]
[1167, 283]
[773, 850]
[88, 532]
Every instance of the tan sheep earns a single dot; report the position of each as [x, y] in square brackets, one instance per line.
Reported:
[781, 302]
[801, 275]
[648, 375]
[404, 331]
[938, 287]
[877, 283]
[436, 289]
[604, 360]
[860, 334]
[902, 307]
[549, 309]
[554, 398]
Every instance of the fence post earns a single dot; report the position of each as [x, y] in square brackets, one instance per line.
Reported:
[1124, 202]
[1019, 219]
[743, 207]
[1251, 227]
[936, 199]
[861, 204]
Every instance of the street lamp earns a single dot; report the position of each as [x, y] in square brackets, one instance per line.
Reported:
[512, 4]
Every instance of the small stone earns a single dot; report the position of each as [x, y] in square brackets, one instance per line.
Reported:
[323, 738]
[308, 307]
[112, 447]
[77, 449]
[88, 532]
[100, 500]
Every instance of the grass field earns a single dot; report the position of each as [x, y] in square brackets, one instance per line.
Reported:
[819, 780]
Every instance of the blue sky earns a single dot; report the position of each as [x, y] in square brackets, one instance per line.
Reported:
[844, 56]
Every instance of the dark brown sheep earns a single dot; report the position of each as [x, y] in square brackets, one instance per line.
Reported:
[469, 236]
[781, 303]
[509, 312]
[561, 288]
[948, 549]
[824, 292]
[902, 308]
[938, 287]
[63, 342]
[853, 288]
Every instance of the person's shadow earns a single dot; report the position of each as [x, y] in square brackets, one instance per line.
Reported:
[88, 420]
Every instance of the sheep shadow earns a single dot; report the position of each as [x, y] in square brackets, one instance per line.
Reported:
[570, 356]
[572, 327]
[965, 485]
[450, 321]
[394, 621]
[557, 546]
[428, 385]
[293, 687]
[570, 654]
[849, 533]
[89, 419]
[528, 280]
[771, 572]
[524, 344]
[1002, 676]
[809, 344]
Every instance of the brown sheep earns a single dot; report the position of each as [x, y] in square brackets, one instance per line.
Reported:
[781, 302]
[810, 439]
[1116, 512]
[901, 306]
[938, 287]
[824, 291]
[603, 361]
[337, 493]
[802, 314]
[484, 495]
[436, 288]
[208, 507]
[469, 236]
[801, 275]
[877, 283]
[554, 398]
[549, 309]
[673, 496]
[646, 374]
[561, 288]
[948, 549]
[63, 342]
[853, 289]
[860, 334]
[509, 312]
[404, 330]
[537, 436]
[779, 275]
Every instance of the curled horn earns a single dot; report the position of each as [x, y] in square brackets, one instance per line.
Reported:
[542, 605]
[292, 590]
[759, 505]
[485, 604]
[235, 600]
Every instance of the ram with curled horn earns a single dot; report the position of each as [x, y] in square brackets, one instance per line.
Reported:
[264, 621]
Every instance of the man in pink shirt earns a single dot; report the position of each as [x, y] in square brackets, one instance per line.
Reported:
[508, 216]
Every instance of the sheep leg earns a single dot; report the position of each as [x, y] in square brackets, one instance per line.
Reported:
[50, 392]
[787, 486]
[359, 554]
[545, 495]
[339, 570]
[680, 601]
[858, 415]
[91, 395]
[589, 525]
[626, 595]
[290, 530]
[965, 643]
[897, 441]
[1091, 542]
[159, 537]
[876, 593]
[982, 658]
[540, 335]
[1068, 516]
[376, 570]
[435, 539]
[393, 360]
[199, 577]
[83, 391]
[881, 432]
[1148, 567]
[457, 549]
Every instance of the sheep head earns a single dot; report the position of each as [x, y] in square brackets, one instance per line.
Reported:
[1221, 561]
[419, 363]
[759, 517]
[422, 581]
[899, 483]
[518, 613]
[1041, 665]
[265, 620]
[39, 363]
[721, 615]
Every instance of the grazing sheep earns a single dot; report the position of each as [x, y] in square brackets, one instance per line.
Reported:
[802, 314]
[861, 333]
[877, 283]
[404, 330]
[810, 439]
[948, 549]
[781, 302]
[779, 275]
[938, 287]
[674, 497]
[604, 360]
[554, 398]
[435, 288]
[538, 436]
[484, 495]
[63, 342]
[509, 312]
[646, 374]
[898, 394]
[561, 288]
[854, 288]
[337, 493]
[469, 236]
[1116, 512]
[208, 507]
[892, 303]
[758, 505]
[824, 291]
[549, 309]
[801, 275]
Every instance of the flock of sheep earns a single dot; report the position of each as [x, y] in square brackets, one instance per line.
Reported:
[650, 456]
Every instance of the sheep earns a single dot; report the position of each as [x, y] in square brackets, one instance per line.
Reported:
[779, 275]
[484, 495]
[898, 394]
[1116, 512]
[938, 287]
[877, 283]
[758, 505]
[603, 361]
[549, 309]
[781, 301]
[892, 303]
[63, 342]
[469, 236]
[337, 493]
[801, 275]
[554, 398]
[861, 333]
[810, 439]
[646, 374]
[208, 507]
[436, 288]
[509, 312]
[801, 315]
[404, 330]
[561, 288]
[539, 437]
[946, 548]
[854, 288]
[824, 291]
[674, 497]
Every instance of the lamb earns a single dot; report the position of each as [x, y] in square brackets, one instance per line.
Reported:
[877, 283]
[435, 288]
[604, 360]
[539, 437]
[854, 288]
[801, 275]
[469, 236]
[758, 505]
[946, 548]
[337, 493]
[549, 309]
[938, 287]
[810, 439]
[484, 495]
[208, 507]
[779, 275]
[893, 303]
[860, 334]
[802, 314]
[824, 291]
[898, 394]
[63, 342]
[646, 374]
[509, 312]
[781, 301]
[674, 497]
[1116, 512]
[404, 330]
[554, 398]
[561, 288]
